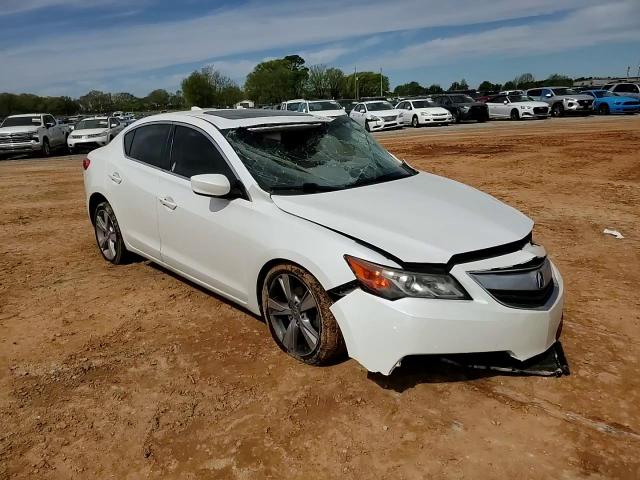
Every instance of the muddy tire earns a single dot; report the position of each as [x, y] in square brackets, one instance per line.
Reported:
[108, 235]
[296, 309]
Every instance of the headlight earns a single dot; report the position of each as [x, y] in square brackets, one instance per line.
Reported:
[35, 138]
[465, 107]
[525, 107]
[96, 135]
[617, 103]
[425, 114]
[392, 283]
[374, 118]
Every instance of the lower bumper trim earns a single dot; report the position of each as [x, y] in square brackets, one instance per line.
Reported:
[551, 363]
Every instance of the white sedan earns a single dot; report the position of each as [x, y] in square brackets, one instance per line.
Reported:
[340, 246]
[322, 108]
[516, 107]
[376, 115]
[422, 111]
[94, 132]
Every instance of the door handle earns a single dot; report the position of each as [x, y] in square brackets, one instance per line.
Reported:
[168, 202]
[116, 178]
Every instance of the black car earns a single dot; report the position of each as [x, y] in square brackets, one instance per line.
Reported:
[462, 107]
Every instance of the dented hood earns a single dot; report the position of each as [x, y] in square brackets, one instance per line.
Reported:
[422, 218]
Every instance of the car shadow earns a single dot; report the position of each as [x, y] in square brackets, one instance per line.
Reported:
[421, 369]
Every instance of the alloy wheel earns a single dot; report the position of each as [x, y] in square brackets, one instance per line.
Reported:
[293, 313]
[106, 234]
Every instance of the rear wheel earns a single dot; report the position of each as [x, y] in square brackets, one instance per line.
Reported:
[515, 115]
[557, 110]
[108, 235]
[296, 309]
[603, 109]
[414, 122]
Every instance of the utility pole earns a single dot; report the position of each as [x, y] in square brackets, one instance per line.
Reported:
[355, 84]
[380, 81]
[628, 69]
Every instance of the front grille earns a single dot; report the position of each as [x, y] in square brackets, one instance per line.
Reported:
[540, 110]
[528, 285]
[390, 118]
[15, 138]
[631, 103]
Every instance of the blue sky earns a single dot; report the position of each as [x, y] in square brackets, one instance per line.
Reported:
[56, 47]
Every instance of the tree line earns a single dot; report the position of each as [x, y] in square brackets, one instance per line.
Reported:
[269, 83]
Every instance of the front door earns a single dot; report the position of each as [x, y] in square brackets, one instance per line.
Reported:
[203, 237]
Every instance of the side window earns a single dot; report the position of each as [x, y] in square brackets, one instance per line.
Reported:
[149, 144]
[49, 119]
[407, 105]
[535, 92]
[114, 122]
[194, 154]
[128, 140]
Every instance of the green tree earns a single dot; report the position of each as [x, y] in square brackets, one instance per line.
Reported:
[276, 80]
[317, 81]
[487, 86]
[409, 89]
[434, 89]
[558, 80]
[209, 88]
[126, 102]
[157, 99]
[368, 84]
[96, 102]
[335, 80]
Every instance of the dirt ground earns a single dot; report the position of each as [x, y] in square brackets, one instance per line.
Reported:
[129, 372]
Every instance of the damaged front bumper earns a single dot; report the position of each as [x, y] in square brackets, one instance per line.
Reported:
[379, 333]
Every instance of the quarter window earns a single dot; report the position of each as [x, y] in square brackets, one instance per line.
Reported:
[193, 154]
[149, 144]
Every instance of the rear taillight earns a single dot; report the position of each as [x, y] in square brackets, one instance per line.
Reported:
[85, 163]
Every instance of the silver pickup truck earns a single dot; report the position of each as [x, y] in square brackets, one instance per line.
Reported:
[32, 133]
[562, 100]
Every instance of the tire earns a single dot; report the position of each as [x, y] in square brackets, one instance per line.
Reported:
[300, 321]
[603, 109]
[414, 122]
[456, 117]
[46, 148]
[71, 151]
[557, 110]
[515, 115]
[108, 236]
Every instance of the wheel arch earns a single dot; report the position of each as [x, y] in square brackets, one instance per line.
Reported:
[95, 199]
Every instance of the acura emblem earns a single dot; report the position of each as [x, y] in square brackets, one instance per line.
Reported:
[539, 279]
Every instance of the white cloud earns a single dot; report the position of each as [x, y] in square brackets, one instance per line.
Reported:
[292, 26]
[21, 6]
[594, 25]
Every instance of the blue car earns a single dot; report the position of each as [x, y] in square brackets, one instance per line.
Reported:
[606, 102]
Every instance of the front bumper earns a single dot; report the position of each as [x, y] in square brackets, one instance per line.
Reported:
[377, 125]
[574, 107]
[20, 147]
[379, 333]
[87, 142]
[435, 119]
[624, 108]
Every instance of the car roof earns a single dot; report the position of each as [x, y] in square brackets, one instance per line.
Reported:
[27, 115]
[96, 118]
[235, 118]
[375, 101]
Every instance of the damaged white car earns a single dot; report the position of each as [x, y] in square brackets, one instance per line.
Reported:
[310, 223]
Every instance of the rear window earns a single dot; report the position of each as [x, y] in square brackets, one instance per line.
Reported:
[148, 145]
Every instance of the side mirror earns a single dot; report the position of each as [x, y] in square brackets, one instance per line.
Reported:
[113, 125]
[505, 102]
[211, 185]
[49, 124]
[548, 95]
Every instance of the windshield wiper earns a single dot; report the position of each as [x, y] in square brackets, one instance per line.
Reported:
[307, 187]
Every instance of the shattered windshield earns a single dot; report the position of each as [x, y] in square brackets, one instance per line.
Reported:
[310, 158]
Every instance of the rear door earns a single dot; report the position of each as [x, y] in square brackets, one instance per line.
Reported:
[203, 237]
[133, 173]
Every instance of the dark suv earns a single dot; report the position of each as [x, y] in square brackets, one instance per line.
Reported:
[462, 107]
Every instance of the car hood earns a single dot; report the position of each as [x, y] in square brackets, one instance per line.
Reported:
[384, 113]
[423, 218]
[529, 104]
[616, 99]
[90, 131]
[432, 110]
[576, 97]
[25, 129]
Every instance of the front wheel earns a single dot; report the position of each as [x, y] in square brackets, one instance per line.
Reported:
[46, 148]
[603, 109]
[414, 122]
[108, 235]
[515, 115]
[296, 309]
[557, 110]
